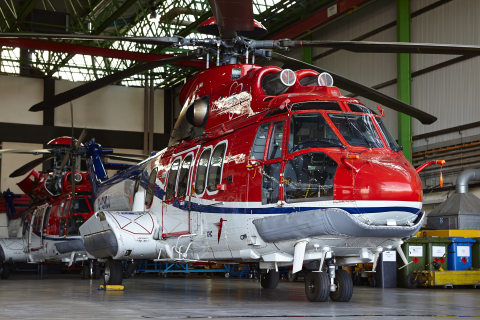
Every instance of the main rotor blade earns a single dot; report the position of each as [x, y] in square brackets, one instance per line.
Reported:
[111, 156]
[89, 87]
[144, 156]
[387, 47]
[360, 89]
[34, 152]
[232, 16]
[80, 139]
[29, 167]
[144, 40]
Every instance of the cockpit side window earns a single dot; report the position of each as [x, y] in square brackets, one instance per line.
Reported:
[260, 142]
[392, 144]
[183, 177]
[357, 130]
[311, 130]
[276, 139]
[172, 179]
[309, 177]
[215, 167]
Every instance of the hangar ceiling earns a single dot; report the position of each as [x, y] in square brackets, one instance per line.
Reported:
[120, 18]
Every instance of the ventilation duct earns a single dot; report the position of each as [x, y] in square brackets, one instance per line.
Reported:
[460, 211]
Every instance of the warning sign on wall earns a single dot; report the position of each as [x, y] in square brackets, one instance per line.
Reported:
[415, 251]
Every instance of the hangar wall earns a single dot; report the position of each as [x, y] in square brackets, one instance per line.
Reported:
[115, 108]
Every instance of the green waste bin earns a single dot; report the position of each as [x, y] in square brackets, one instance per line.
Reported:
[422, 251]
[415, 250]
[476, 254]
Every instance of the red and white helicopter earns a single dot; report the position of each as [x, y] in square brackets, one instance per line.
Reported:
[48, 231]
[265, 165]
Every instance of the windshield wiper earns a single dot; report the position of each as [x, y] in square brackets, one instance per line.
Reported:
[321, 140]
[363, 136]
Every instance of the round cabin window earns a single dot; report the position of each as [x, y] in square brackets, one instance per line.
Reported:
[151, 188]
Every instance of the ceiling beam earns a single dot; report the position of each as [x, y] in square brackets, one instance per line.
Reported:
[25, 10]
[97, 31]
[302, 27]
[94, 51]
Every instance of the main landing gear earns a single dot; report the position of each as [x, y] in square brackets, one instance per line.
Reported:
[4, 270]
[91, 268]
[335, 283]
[113, 273]
[270, 279]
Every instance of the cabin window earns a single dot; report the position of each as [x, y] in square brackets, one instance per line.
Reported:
[80, 206]
[309, 177]
[46, 216]
[258, 149]
[172, 178]
[311, 130]
[73, 225]
[60, 208]
[183, 177]
[215, 168]
[151, 187]
[271, 174]
[201, 177]
[61, 230]
[276, 139]
[357, 130]
[66, 208]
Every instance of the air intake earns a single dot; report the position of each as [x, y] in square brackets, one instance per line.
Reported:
[277, 83]
[323, 79]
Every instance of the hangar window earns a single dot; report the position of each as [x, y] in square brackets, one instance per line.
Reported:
[202, 171]
[215, 167]
[151, 187]
[309, 177]
[172, 178]
[183, 177]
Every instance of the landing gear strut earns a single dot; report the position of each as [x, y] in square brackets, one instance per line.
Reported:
[113, 274]
[269, 280]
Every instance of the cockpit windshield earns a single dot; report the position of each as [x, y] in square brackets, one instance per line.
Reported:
[357, 130]
[392, 144]
[311, 130]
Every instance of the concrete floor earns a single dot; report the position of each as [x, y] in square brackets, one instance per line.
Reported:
[68, 297]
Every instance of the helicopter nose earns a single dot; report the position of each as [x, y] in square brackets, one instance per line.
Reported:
[388, 192]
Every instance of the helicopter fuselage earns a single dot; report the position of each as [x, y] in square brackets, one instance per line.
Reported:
[256, 174]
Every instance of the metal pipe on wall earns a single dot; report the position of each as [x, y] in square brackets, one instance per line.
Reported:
[145, 116]
[465, 177]
[150, 116]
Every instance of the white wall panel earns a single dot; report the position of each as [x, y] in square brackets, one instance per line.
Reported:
[11, 162]
[455, 22]
[451, 94]
[17, 95]
[110, 108]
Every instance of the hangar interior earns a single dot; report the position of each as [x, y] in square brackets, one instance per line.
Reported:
[137, 114]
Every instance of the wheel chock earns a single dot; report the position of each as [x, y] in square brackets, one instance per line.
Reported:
[111, 287]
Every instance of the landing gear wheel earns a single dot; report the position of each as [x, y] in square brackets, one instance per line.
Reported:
[410, 282]
[344, 284]
[292, 276]
[113, 274]
[86, 271]
[97, 271]
[4, 270]
[270, 279]
[317, 286]
[373, 282]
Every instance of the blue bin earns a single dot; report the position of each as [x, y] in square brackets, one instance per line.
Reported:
[460, 253]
